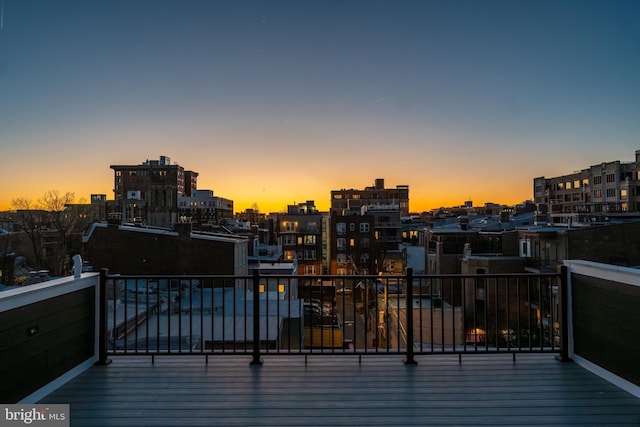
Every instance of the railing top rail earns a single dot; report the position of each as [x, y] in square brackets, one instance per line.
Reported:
[333, 277]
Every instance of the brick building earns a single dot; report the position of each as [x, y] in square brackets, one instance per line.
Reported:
[342, 200]
[148, 193]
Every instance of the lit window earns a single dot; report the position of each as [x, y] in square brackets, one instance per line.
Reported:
[281, 288]
[261, 288]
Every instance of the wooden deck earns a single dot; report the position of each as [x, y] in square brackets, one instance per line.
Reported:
[338, 391]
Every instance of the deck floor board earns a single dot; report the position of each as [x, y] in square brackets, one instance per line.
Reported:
[339, 391]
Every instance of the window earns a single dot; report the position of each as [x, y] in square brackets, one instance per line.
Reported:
[341, 271]
[352, 242]
[611, 177]
[341, 258]
[568, 185]
[597, 180]
[597, 194]
[310, 269]
[352, 227]
[365, 243]
[525, 248]
[561, 186]
[309, 254]
[310, 239]
[281, 288]
[288, 239]
[364, 258]
[290, 226]
[611, 192]
[341, 228]
[585, 182]
[312, 225]
[576, 183]
[289, 255]
[623, 193]
[364, 227]
[341, 244]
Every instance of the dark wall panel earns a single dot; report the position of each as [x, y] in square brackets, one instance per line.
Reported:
[606, 323]
[41, 341]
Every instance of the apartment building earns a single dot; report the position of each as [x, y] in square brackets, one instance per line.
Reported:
[352, 244]
[300, 235]
[203, 207]
[343, 200]
[148, 193]
[609, 188]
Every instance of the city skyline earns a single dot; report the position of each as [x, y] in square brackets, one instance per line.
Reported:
[278, 102]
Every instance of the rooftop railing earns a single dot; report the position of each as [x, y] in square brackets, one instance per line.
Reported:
[266, 314]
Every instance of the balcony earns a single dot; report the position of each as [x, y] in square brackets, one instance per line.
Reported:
[244, 350]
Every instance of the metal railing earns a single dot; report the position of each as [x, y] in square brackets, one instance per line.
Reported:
[263, 314]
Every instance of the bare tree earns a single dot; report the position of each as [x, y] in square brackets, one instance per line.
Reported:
[48, 225]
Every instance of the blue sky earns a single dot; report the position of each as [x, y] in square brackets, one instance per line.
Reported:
[276, 102]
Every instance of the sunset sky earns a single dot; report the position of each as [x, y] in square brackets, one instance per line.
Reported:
[278, 102]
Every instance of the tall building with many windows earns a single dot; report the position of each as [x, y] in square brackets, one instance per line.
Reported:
[301, 237]
[609, 188]
[148, 193]
[352, 244]
[377, 195]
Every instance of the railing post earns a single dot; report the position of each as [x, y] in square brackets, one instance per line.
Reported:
[102, 319]
[563, 308]
[256, 318]
[409, 299]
